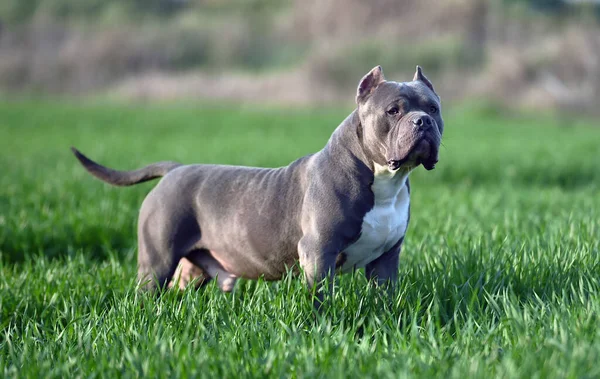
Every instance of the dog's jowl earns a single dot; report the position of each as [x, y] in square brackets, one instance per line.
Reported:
[339, 209]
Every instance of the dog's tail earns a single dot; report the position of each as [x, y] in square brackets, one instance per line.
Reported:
[125, 178]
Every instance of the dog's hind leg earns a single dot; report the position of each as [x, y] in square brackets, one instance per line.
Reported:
[156, 264]
[166, 234]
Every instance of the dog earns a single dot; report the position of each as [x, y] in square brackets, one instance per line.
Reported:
[343, 208]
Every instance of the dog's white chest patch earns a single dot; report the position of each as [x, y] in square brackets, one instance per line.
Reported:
[383, 225]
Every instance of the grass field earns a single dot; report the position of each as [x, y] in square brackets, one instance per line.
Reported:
[500, 272]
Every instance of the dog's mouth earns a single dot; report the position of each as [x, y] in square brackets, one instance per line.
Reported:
[424, 152]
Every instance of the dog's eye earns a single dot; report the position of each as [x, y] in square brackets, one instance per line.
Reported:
[393, 111]
[433, 109]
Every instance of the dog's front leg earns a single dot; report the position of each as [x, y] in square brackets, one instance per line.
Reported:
[384, 270]
[318, 264]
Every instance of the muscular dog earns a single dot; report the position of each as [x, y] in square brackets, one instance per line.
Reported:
[337, 210]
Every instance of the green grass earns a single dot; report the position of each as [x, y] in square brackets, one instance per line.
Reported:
[500, 272]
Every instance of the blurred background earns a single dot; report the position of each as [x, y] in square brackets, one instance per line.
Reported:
[534, 54]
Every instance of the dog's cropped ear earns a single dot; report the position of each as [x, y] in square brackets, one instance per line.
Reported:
[368, 84]
[419, 76]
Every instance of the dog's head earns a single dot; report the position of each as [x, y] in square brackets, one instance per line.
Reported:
[402, 123]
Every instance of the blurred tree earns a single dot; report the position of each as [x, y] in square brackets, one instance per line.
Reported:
[543, 5]
[559, 6]
[16, 11]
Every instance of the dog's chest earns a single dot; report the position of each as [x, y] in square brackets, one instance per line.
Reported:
[384, 224]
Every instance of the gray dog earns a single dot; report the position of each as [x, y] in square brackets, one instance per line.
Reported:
[340, 209]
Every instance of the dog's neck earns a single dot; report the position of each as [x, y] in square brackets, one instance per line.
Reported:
[347, 140]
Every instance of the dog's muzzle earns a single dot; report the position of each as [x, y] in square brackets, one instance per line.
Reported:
[424, 151]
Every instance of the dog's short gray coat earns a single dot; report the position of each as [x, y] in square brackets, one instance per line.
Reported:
[344, 207]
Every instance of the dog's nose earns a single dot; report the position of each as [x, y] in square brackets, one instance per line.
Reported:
[423, 121]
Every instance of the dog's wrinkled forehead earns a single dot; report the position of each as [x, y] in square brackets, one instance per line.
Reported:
[416, 93]
[375, 92]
